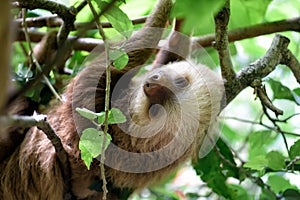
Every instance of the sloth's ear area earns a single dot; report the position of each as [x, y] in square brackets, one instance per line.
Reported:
[177, 47]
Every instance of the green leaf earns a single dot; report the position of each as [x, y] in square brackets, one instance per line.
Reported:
[295, 150]
[291, 194]
[279, 184]
[91, 140]
[296, 95]
[275, 160]
[239, 192]
[115, 116]
[86, 113]
[119, 57]
[118, 19]
[86, 156]
[229, 133]
[197, 11]
[257, 163]
[259, 142]
[100, 117]
[35, 92]
[282, 92]
[227, 170]
[214, 171]
[247, 12]
[90, 144]
[267, 195]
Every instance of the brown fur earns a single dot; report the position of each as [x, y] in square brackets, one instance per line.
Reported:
[32, 172]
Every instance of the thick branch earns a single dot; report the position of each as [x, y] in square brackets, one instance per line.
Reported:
[55, 21]
[61, 10]
[260, 68]
[67, 14]
[205, 41]
[221, 42]
[253, 31]
[177, 47]
[40, 121]
[290, 60]
[66, 47]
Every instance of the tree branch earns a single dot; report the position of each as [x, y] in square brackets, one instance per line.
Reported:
[221, 43]
[61, 51]
[67, 14]
[260, 68]
[290, 60]
[40, 121]
[176, 48]
[253, 31]
[89, 44]
[55, 21]
[265, 100]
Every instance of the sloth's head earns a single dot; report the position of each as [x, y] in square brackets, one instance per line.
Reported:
[162, 88]
[175, 95]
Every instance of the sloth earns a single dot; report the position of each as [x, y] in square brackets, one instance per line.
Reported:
[170, 110]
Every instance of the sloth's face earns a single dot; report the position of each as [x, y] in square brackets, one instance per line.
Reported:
[161, 87]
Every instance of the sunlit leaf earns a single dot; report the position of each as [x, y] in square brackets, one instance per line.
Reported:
[115, 116]
[90, 144]
[86, 113]
[91, 140]
[283, 92]
[295, 150]
[247, 12]
[259, 142]
[296, 95]
[275, 160]
[279, 184]
[119, 58]
[190, 11]
[257, 163]
[86, 156]
[117, 18]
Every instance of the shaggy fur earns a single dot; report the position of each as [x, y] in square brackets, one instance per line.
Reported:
[33, 172]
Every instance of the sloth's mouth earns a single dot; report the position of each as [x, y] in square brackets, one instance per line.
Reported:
[154, 109]
[157, 93]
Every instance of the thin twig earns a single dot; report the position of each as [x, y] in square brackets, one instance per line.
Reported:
[277, 128]
[262, 95]
[261, 124]
[33, 59]
[107, 98]
[293, 162]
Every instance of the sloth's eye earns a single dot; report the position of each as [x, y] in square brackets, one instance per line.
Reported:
[181, 82]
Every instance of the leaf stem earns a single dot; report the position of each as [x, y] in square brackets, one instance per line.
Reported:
[107, 97]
